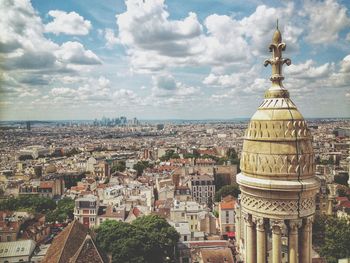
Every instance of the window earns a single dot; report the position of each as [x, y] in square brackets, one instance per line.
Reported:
[8, 238]
[185, 238]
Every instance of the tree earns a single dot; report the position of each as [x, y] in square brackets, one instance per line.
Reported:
[169, 154]
[341, 178]
[161, 235]
[318, 230]
[141, 166]
[120, 167]
[344, 191]
[148, 239]
[336, 240]
[227, 190]
[64, 211]
[31, 203]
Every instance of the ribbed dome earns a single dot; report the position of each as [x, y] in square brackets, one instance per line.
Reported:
[51, 168]
[277, 142]
[277, 160]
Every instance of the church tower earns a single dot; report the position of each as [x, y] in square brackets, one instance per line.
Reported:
[277, 180]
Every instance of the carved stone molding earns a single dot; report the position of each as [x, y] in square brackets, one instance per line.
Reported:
[247, 219]
[259, 222]
[307, 221]
[278, 207]
[294, 225]
[272, 129]
[291, 164]
[277, 226]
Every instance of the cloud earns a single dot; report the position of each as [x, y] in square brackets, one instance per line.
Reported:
[111, 39]
[153, 41]
[74, 53]
[89, 89]
[307, 70]
[326, 20]
[165, 85]
[67, 23]
[341, 78]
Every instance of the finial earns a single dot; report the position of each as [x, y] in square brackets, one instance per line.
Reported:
[276, 62]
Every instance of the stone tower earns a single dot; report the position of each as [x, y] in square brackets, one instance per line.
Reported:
[277, 179]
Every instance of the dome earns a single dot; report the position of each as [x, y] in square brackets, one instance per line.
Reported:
[277, 160]
[51, 168]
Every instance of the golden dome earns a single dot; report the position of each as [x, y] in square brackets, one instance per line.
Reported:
[278, 143]
[51, 168]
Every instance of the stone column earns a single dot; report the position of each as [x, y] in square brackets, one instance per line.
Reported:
[276, 226]
[306, 241]
[330, 201]
[331, 197]
[238, 229]
[251, 239]
[261, 240]
[293, 240]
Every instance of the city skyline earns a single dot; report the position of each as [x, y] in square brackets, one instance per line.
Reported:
[168, 60]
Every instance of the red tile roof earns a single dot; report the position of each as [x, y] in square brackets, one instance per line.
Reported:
[66, 243]
[46, 184]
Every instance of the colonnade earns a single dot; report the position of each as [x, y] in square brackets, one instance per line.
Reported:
[299, 239]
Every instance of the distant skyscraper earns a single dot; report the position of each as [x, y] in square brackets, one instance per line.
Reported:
[28, 125]
[277, 182]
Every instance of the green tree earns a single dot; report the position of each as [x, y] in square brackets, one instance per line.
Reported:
[30, 203]
[341, 178]
[120, 167]
[227, 190]
[318, 230]
[64, 211]
[344, 192]
[148, 239]
[169, 154]
[336, 240]
[161, 235]
[141, 166]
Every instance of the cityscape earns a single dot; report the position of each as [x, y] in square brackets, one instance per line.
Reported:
[143, 131]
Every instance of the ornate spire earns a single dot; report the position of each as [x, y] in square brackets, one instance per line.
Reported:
[276, 62]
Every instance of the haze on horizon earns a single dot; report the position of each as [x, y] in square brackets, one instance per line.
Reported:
[168, 59]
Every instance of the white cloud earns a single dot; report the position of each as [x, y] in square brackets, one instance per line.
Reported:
[307, 70]
[67, 23]
[326, 20]
[74, 53]
[342, 77]
[166, 86]
[111, 39]
[89, 89]
[153, 41]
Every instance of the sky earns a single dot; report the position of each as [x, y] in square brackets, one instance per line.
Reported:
[173, 59]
